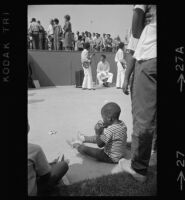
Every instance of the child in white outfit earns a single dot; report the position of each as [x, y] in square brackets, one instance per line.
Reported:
[121, 66]
[86, 64]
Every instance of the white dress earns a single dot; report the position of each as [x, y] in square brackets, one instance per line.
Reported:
[119, 59]
[87, 81]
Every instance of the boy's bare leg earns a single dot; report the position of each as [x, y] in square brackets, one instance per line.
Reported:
[96, 153]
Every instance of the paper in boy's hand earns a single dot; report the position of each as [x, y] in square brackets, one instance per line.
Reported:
[62, 158]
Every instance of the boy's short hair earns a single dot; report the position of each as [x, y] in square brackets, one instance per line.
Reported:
[86, 45]
[111, 110]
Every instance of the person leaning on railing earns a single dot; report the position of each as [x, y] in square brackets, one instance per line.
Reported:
[34, 33]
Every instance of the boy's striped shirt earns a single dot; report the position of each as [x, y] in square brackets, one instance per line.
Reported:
[115, 139]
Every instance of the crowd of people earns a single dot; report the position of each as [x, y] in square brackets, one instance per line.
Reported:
[58, 38]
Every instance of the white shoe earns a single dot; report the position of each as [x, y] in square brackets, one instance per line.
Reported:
[125, 165]
[81, 137]
[74, 143]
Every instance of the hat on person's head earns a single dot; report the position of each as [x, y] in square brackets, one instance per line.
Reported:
[33, 20]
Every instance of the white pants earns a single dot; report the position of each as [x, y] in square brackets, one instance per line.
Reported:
[108, 75]
[87, 82]
[120, 75]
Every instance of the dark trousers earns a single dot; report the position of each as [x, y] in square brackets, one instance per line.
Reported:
[41, 41]
[35, 41]
[96, 153]
[144, 114]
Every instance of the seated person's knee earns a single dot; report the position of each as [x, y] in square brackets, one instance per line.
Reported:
[65, 165]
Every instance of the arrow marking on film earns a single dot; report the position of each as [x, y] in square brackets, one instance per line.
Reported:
[181, 80]
[181, 178]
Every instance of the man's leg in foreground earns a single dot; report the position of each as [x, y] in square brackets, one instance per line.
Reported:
[144, 114]
[144, 119]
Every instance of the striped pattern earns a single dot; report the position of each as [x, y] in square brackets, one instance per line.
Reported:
[115, 138]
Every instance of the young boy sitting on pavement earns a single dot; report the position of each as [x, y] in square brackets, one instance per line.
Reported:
[111, 133]
[43, 176]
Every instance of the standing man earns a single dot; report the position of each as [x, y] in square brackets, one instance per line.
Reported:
[121, 66]
[41, 35]
[57, 34]
[103, 75]
[142, 59]
[67, 33]
[50, 35]
[86, 64]
[34, 32]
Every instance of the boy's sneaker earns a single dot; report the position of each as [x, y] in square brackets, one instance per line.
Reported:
[81, 137]
[125, 165]
[74, 143]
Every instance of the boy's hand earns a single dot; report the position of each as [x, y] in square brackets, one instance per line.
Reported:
[98, 128]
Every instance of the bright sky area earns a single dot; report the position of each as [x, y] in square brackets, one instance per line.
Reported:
[112, 19]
